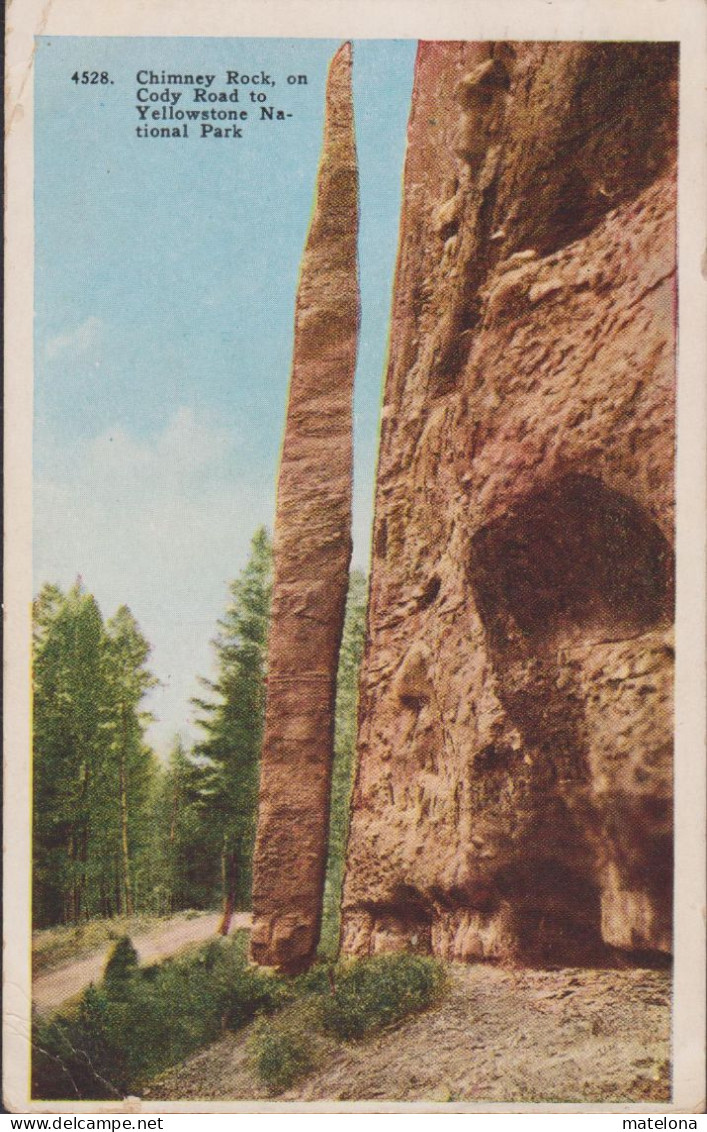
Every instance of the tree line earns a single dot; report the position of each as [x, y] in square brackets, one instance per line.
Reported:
[115, 829]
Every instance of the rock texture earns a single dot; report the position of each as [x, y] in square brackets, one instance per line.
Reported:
[514, 783]
[312, 550]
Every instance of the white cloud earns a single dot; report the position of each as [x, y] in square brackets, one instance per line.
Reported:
[187, 458]
[77, 342]
[160, 524]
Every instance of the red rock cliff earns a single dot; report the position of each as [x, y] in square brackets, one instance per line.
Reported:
[312, 549]
[513, 792]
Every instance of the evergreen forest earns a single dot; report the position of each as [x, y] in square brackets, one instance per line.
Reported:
[118, 831]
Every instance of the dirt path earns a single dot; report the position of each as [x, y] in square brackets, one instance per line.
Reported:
[62, 983]
[505, 1036]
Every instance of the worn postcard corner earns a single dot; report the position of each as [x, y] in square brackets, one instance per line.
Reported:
[354, 754]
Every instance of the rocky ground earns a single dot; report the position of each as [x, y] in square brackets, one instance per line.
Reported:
[499, 1035]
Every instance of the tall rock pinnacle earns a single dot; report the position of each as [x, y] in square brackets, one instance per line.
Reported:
[312, 547]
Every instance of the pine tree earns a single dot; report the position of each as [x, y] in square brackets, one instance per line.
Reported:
[181, 856]
[68, 717]
[127, 681]
[232, 720]
[92, 770]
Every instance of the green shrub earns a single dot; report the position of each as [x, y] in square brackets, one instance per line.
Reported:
[124, 1032]
[247, 991]
[317, 980]
[122, 962]
[52, 947]
[140, 1020]
[72, 1055]
[284, 1049]
[376, 992]
[368, 994]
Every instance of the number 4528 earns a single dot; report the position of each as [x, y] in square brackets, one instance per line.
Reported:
[91, 78]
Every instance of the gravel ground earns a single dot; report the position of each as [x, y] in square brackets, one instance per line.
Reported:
[510, 1036]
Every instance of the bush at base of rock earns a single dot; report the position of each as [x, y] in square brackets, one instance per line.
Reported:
[285, 1049]
[376, 992]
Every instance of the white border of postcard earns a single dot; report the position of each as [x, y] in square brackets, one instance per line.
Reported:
[683, 20]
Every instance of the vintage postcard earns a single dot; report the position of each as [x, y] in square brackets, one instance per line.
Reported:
[354, 754]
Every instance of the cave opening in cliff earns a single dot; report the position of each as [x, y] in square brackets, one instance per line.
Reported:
[575, 560]
[555, 908]
[577, 564]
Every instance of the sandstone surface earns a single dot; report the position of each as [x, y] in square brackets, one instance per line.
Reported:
[514, 786]
[312, 550]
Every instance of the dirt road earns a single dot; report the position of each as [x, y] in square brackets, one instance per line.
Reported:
[62, 983]
[506, 1036]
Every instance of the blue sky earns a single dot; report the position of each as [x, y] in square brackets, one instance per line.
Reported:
[166, 273]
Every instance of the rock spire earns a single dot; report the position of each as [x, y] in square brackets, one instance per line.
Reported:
[312, 550]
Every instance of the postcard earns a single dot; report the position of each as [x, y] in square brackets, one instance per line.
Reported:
[355, 666]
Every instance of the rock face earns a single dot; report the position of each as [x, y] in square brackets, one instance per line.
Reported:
[514, 783]
[312, 550]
